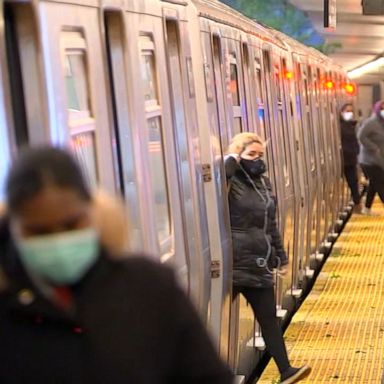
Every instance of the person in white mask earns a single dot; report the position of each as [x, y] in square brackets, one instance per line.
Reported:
[371, 156]
[70, 313]
[350, 147]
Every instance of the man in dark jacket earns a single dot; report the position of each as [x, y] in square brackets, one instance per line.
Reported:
[350, 147]
[371, 157]
[69, 314]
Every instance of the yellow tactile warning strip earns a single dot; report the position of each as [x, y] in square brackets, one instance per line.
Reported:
[339, 329]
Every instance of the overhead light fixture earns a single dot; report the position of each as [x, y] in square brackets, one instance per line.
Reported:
[371, 66]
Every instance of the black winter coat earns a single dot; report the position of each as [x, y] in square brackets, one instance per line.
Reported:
[257, 244]
[131, 325]
[349, 143]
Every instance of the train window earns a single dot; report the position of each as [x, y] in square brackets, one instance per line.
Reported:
[235, 92]
[285, 147]
[277, 82]
[81, 123]
[259, 87]
[75, 81]
[234, 82]
[156, 151]
[148, 76]
[158, 176]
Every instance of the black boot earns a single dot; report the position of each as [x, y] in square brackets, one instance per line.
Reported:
[293, 375]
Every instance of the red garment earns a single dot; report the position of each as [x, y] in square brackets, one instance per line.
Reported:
[63, 297]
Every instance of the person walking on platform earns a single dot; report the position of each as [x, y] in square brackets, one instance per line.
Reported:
[257, 244]
[350, 148]
[72, 314]
[371, 156]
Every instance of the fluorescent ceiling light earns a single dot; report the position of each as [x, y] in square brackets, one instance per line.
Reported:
[373, 65]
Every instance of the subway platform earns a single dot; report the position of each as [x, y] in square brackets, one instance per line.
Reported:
[339, 329]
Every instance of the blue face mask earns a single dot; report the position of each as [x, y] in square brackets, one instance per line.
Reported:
[62, 258]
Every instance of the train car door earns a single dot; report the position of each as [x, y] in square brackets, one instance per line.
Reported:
[306, 167]
[220, 136]
[320, 145]
[316, 139]
[182, 94]
[286, 148]
[57, 77]
[124, 144]
[311, 158]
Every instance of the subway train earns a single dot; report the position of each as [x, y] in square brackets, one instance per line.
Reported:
[147, 94]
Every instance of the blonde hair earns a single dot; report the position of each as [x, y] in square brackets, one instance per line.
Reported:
[240, 141]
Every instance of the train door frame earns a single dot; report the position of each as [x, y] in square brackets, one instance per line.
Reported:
[182, 94]
[237, 105]
[302, 146]
[268, 85]
[214, 184]
[218, 51]
[26, 72]
[329, 157]
[293, 88]
[312, 159]
[154, 129]
[286, 140]
[249, 93]
[122, 117]
[323, 170]
[337, 151]
[316, 221]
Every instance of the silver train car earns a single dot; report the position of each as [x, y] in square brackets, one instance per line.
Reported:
[148, 93]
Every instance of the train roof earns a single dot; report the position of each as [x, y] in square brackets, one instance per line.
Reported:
[217, 11]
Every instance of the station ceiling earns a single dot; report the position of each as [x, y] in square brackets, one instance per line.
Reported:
[361, 36]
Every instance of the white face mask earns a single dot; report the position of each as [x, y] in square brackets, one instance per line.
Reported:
[382, 113]
[347, 116]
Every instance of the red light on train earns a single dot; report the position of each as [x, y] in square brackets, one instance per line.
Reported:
[288, 75]
[329, 84]
[350, 89]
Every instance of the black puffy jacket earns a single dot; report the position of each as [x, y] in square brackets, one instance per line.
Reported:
[257, 244]
[349, 143]
[131, 323]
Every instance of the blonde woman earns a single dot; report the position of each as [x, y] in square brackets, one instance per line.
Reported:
[257, 245]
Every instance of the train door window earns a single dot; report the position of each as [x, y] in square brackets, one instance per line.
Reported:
[155, 143]
[81, 122]
[234, 87]
[277, 82]
[259, 87]
[270, 124]
[259, 95]
[249, 95]
[307, 111]
[316, 84]
[283, 113]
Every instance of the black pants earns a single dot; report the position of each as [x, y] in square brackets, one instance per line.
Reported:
[262, 301]
[375, 175]
[350, 173]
